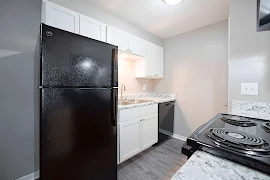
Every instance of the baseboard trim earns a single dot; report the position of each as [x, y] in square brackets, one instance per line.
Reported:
[165, 132]
[177, 136]
[32, 176]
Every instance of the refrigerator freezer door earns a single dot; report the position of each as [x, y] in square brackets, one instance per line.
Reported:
[72, 60]
[78, 134]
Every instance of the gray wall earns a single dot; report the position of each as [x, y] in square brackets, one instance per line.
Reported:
[249, 59]
[81, 6]
[195, 68]
[19, 27]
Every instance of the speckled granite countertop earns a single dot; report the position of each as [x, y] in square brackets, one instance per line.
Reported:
[204, 166]
[253, 109]
[156, 97]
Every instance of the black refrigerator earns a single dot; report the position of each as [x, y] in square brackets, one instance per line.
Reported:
[78, 114]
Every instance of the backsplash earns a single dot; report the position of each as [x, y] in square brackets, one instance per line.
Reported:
[251, 109]
[126, 75]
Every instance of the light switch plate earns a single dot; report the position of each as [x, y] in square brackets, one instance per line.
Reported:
[144, 87]
[251, 89]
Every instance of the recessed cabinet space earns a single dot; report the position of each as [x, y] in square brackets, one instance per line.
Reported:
[125, 42]
[138, 130]
[92, 28]
[60, 17]
[151, 67]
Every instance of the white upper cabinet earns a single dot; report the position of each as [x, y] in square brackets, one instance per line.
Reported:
[149, 57]
[92, 28]
[117, 38]
[136, 46]
[159, 62]
[125, 41]
[60, 17]
[151, 67]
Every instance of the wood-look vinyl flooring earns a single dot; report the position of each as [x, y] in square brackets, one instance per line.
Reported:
[159, 162]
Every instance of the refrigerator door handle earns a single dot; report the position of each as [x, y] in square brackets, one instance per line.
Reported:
[115, 106]
[115, 67]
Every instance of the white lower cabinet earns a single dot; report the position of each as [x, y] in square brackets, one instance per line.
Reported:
[130, 139]
[138, 130]
[149, 131]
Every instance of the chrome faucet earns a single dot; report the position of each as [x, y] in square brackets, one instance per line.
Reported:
[123, 87]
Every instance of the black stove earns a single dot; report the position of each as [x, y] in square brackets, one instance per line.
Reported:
[240, 139]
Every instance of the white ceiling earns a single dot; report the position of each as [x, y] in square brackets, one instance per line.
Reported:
[164, 20]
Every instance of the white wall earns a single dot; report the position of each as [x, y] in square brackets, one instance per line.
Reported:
[87, 9]
[19, 105]
[249, 52]
[195, 67]
[126, 75]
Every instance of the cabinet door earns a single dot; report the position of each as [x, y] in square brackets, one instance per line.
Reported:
[154, 61]
[60, 17]
[149, 131]
[159, 67]
[136, 46]
[92, 28]
[117, 38]
[130, 139]
[151, 60]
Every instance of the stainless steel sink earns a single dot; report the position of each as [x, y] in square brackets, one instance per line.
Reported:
[133, 101]
[123, 103]
[138, 101]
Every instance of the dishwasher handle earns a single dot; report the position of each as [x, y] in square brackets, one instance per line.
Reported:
[169, 103]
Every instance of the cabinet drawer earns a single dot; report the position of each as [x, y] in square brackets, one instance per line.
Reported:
[133, 113]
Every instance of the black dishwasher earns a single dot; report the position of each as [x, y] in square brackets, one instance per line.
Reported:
[165, 120]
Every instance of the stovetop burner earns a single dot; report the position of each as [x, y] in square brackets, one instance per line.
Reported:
[266, 126]
[237, 139]
[238, 121]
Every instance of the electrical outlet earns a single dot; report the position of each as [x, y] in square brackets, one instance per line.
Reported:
[251, 89]
[144, 87]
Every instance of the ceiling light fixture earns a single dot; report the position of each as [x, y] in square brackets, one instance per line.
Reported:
[172, 2]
